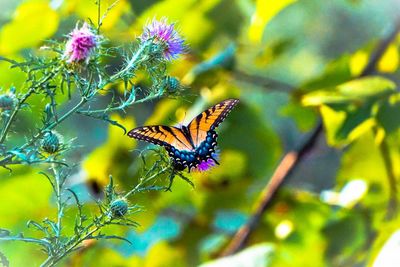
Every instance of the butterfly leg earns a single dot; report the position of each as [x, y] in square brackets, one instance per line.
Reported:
[171, 179]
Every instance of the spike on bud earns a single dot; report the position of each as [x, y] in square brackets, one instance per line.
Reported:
[119, 207]
[51, 142]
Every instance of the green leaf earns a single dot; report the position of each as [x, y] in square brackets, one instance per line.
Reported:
[336, 72]
[373, 86]
[354, 119]
[345, 126]
[321, 97]
[355, 91]
[388, 116]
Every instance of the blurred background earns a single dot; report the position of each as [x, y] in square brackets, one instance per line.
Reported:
[293, 64]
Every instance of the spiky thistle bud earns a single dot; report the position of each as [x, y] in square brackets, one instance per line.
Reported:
[172, 84]
[51, 142]
[119, 207]
[7, 101]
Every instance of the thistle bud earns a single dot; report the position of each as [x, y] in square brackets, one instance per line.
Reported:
[119, 207]
[172, 84]
[7, 101]
[50, 143]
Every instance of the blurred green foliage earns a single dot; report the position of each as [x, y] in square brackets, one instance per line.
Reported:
[302, 59]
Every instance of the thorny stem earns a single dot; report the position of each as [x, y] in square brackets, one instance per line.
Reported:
[83, 101]
[57, 245]
[52, 260]
[58, 187]
[120, 107]
[14, 113]
[137, 187]
[130, 66]
[21, 102]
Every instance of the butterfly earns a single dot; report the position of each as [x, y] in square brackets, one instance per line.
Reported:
[190, 145]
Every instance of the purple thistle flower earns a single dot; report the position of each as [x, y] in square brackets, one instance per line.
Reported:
[205, 165]
[209, 163]
[160, 32]
[81, 43]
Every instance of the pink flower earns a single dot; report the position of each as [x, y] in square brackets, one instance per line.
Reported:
[82, 41]
[160, 32]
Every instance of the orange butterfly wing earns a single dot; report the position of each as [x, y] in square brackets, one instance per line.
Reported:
[209, 120]
[162, 135]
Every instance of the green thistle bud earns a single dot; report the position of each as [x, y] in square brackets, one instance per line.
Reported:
[172, 84]
[51, 143]
[7, 101]
[119, 207]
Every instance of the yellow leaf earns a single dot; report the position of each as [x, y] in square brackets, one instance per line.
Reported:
[265, 11]
[358, 61]
[380, 135]
[361, 129]
[332, 120]
[32, 23]
[390, 60]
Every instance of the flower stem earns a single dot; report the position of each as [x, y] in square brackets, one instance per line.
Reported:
[52, 260]
[132, 63]
[138, 186]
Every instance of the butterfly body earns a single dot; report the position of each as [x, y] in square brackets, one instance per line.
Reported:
[192, 158]
[190, 145]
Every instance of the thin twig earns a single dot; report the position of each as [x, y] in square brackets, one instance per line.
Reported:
[293, 158]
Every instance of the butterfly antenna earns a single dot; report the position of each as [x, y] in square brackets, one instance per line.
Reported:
[214, 160]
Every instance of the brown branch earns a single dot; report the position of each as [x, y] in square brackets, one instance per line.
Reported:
[293, 158]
